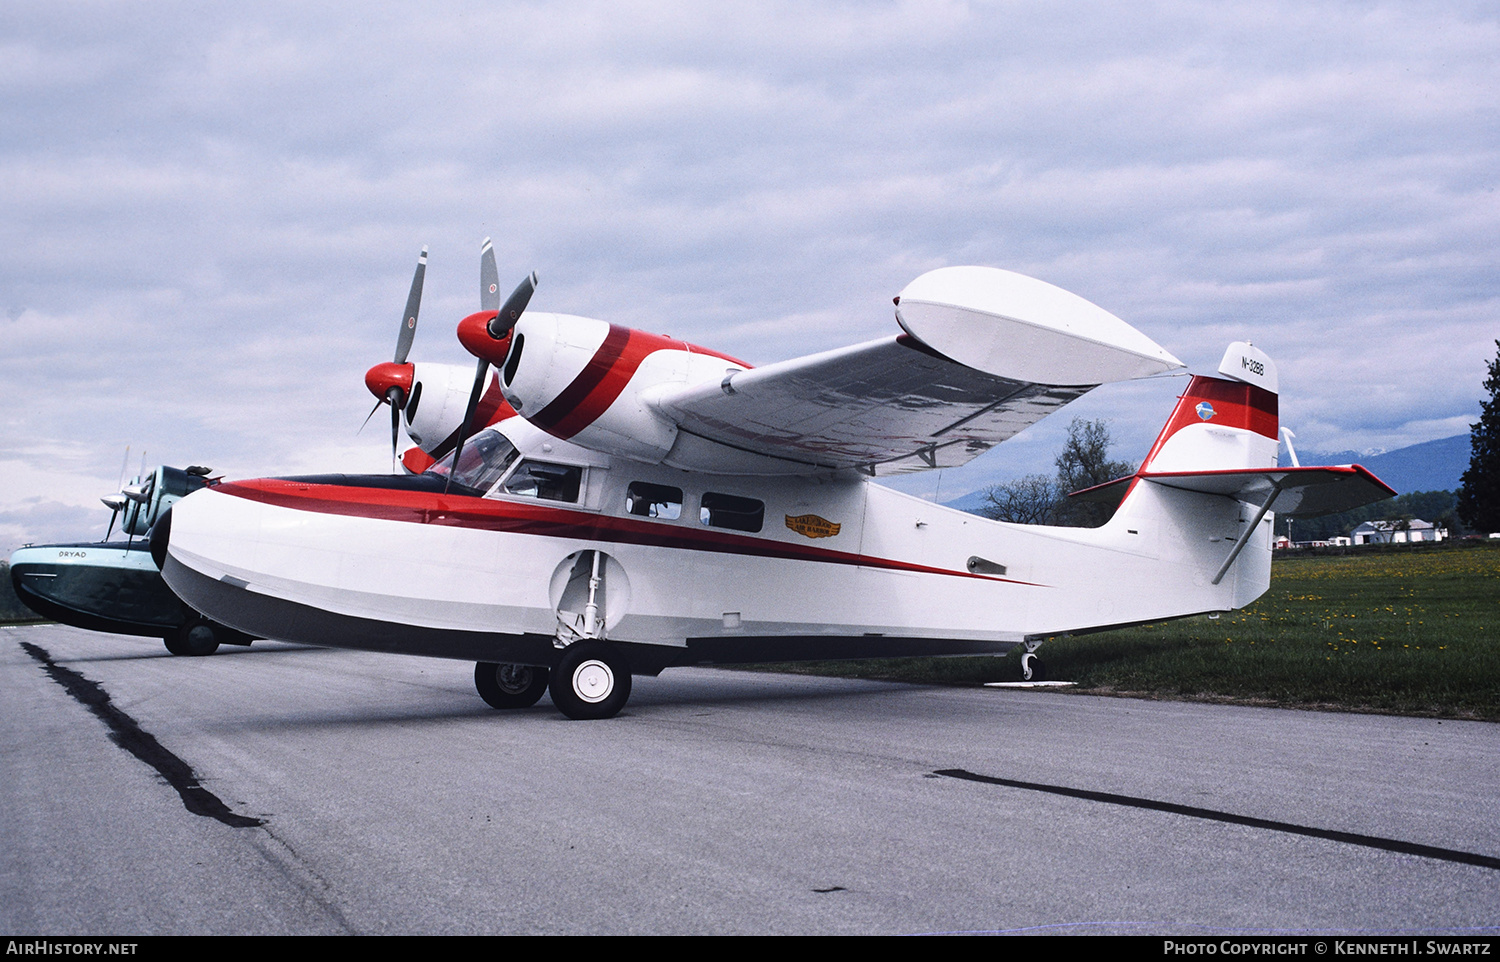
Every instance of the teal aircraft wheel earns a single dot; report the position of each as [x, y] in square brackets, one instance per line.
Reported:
[194, 638]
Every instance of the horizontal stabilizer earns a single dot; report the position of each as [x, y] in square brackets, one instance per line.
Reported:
[1299, 492]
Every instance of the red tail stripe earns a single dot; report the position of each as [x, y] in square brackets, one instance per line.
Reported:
[1236, 404]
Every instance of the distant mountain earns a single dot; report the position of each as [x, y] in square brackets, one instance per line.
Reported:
[970, 502]
[1430, 466]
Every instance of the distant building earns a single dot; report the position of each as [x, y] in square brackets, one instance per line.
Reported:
[1397, 532]
[1283, 543]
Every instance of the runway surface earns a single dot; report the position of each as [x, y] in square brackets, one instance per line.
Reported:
[376, 794]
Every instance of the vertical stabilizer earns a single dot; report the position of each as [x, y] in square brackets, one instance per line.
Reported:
[1222, 425]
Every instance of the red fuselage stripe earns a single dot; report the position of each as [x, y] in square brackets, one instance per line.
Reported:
[420, 507]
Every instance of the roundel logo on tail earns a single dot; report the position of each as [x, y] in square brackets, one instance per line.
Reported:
[1205, 410]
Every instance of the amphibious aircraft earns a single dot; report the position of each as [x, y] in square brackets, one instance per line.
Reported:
[654, 504]
[114, 586]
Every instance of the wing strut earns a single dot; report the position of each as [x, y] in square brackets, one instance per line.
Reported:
[1244, 538]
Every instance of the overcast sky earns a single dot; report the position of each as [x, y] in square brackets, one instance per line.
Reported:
[210, 216]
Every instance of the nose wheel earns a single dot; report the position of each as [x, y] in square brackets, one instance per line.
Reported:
[590, 681]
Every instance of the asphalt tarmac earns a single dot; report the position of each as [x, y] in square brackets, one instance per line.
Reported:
[286, 790]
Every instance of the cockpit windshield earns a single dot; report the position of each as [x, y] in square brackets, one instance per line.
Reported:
[486, 456]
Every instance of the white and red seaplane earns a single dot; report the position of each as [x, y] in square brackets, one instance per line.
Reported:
[652, 504]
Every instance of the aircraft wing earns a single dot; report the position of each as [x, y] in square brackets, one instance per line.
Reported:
[985, 354]
[887, 406]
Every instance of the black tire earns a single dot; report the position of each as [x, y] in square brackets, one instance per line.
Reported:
[194, 638]
[1037, 671]
[510, 686]
[590, 681]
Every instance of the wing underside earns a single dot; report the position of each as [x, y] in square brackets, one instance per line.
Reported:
[887, 407]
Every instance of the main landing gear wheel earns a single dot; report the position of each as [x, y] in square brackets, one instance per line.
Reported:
[1031, 668]
[590, 681]
[509, 686]
[194, 638]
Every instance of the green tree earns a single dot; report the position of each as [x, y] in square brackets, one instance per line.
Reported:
[1479, 497]
[1028, 500]
[1082, 463]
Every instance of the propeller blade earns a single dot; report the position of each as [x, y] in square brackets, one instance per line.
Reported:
[395, 424]
[370, 415]
[480, 377]
[413, 306]
[514, 306]
[114, 502]
[489, 278]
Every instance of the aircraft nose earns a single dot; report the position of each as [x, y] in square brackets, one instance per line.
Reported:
[161, 533]
[386, 375]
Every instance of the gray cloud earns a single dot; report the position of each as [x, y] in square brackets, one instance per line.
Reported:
[211, 215]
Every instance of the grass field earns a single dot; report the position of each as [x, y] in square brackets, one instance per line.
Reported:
[1407, 630]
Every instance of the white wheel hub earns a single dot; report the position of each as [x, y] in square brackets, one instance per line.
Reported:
[593, 681]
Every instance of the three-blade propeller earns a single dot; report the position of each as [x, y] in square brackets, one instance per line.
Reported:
[395, 396]
[499, 327]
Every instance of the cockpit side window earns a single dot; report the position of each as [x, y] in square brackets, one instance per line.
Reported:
[486, 457]
[542, 479]
[659, 501]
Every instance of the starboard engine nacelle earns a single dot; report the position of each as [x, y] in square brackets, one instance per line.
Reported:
[592, 382]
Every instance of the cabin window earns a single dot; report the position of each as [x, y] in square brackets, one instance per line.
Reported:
[485, 458]
[731, 511]
[653, 501]
[550, 482]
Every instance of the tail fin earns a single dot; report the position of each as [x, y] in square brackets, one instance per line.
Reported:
[1212, 474]
[1221, 425]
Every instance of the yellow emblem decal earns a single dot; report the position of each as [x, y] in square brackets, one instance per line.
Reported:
[812, 526]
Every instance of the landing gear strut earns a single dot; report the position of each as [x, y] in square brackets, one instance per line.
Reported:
[590, 681]
[1031, 665]
[510, 686]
